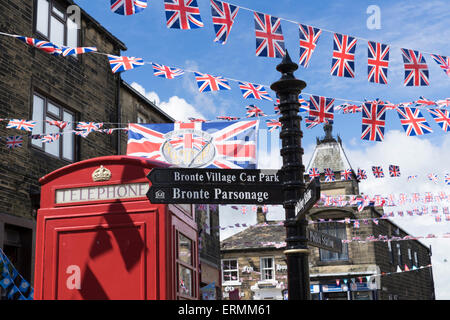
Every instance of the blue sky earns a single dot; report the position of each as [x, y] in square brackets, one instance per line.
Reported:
[418, 25]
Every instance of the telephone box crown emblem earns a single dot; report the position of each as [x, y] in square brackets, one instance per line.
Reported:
[101, 174]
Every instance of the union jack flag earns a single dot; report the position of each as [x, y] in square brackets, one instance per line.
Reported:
[313, 173]
[276, 109]
[321, 109]
[445, 210]
[225, 145]
[394, 171]
[254, 91]
[196, 119]
[447, 179]
[346, 174]
[373, 121]
[162, 71]
[349, 108]
[304, 105]
[378, 62]
[273, 124]
[442, 118]
[45, 46]
[391, 200]
[183, 14]
[89, 127]
[443, 62]
[227, 118]
[443, 102]
[433, 177]
[83, 134]
[269, 36]
[107, 131]
[329, 175]
[361, 175]
[51, 137]
[343, 62]
[378, 200]
[415, 197]
[412, 121]
[119, 64]
[412, 177]
[128, 7]
[68, 51]
[14, 142]
[254, 111]
[223, 15]
[59, 124]
[311, 123]
[21, 124]
[428, 197]
[378, 172]
[308, 42]
[422, 101]
[416, 69]
[208, 82]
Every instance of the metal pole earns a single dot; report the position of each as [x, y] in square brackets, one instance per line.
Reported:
[288, 89]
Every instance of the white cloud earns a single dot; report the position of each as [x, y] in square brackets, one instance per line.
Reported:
[176, 107]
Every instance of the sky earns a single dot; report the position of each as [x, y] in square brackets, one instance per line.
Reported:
[418, 25]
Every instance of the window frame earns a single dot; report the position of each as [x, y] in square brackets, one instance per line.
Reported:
[399, 254]
[60, 7]
[336, 257]
[263, 269]
[232, 281]
[180, 263]
[48, 114]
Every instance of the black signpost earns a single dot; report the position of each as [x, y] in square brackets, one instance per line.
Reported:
[187, 176]
[323, 240]
[288, 89]
[215, 186]
[309, 198]
[216, 194]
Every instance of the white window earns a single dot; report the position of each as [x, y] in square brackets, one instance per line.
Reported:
[230, 270]
[416, 259]
[267, 268]
[45, 110]
[53, 23]
[141, 118]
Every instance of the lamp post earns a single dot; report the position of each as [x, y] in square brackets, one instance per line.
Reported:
[288, 89]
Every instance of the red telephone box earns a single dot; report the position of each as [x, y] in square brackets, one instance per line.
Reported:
[99, 237]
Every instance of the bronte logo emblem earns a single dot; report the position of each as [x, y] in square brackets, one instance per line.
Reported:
[160, 194]
[188, 148]
[101, 174]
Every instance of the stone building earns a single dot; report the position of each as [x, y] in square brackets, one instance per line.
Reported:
[254, 263]
[36, 85]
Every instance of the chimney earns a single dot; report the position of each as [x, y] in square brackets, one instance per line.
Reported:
[260, 215]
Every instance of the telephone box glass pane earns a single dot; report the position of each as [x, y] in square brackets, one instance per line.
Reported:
[184, 249]
[185, 280]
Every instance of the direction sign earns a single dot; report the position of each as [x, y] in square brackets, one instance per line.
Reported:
[323, 240]
[216, 194]
[188, 176]
[310, 197]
